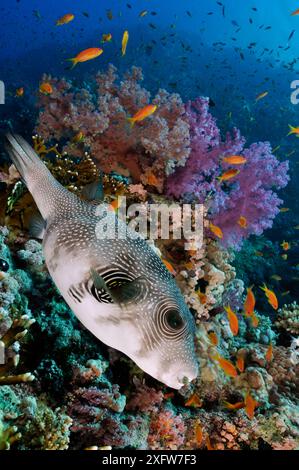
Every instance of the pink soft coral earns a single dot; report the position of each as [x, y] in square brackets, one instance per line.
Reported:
[249, 194]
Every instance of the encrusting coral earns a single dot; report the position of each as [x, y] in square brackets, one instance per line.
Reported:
[11, 338]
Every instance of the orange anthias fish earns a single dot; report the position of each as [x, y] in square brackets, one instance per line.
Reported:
[152, 180]
[285, 245]
[272, 299]
[143, 13]
[202, 297]
[250, 405]
[235, 160]
[240, 364]
[216, 230]
[227, 366]
[261, 95]
[208, 444]
[243, 222]
[124, 42]
[79, 137]
[234, 406]
[194, 401]
[19, 92]
[228, 175]
[213, 338]
[143, 113]
[249, 303]
[107, 37]
[169, 266]
[65, 19]
[255, 320]
[233, 320]
[86, 55]
[294, 130]
[296, 12]
[46, 88]
[269, 353]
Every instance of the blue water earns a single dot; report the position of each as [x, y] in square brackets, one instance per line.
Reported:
[197, 54]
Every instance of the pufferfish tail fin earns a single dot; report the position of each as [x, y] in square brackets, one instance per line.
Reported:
[47, 192]
[23, 157]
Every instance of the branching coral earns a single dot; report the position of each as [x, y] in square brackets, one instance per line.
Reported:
[206, 277]
[80, 403]
[97, 406]
[14, 334]
[288, 318]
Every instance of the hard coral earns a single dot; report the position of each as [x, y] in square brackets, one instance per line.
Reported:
[8, 340]
[8, 435]
[288, 318]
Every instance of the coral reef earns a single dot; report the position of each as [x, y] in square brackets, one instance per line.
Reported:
[288, 318]
[88, 396]
[149, 150]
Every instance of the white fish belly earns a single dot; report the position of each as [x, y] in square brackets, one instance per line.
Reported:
[103, 320]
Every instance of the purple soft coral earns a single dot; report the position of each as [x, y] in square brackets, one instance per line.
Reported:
[249, 194]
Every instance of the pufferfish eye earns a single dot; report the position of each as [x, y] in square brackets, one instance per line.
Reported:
[174, 319]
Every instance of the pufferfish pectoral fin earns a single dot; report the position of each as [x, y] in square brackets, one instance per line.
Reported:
[37, 226]
[120, 293]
